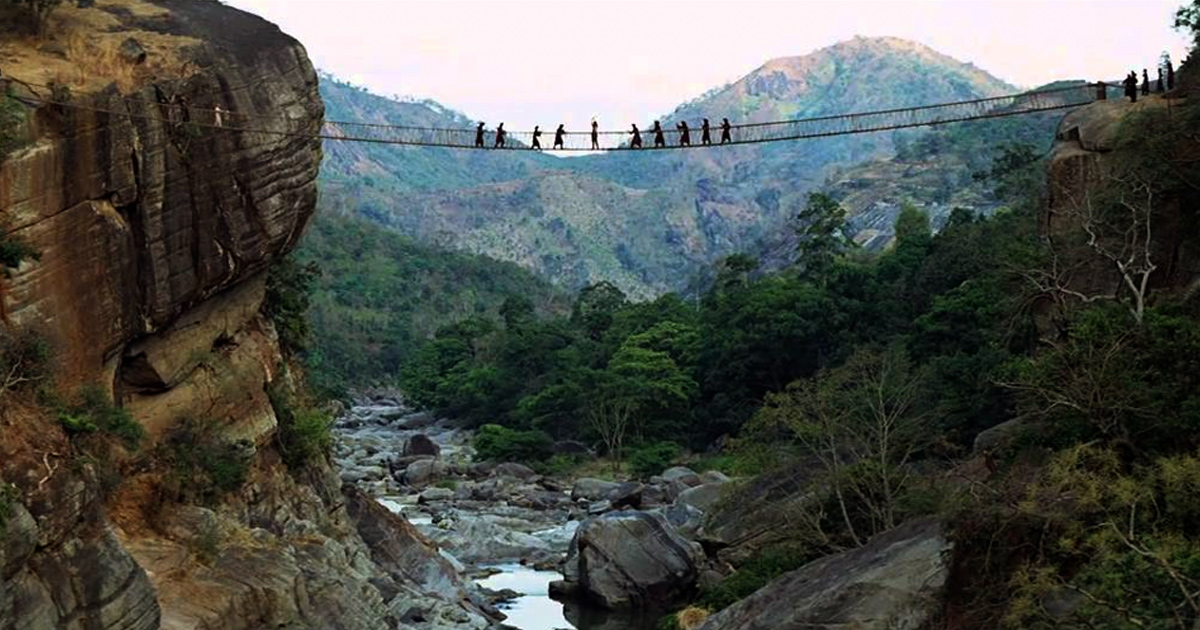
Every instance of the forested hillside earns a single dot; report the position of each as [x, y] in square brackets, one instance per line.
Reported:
[376, 296]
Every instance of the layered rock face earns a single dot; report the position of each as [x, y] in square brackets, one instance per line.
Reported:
[156, 228]
[140, 216]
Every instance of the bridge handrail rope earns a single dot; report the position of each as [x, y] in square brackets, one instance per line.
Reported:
[464, 137]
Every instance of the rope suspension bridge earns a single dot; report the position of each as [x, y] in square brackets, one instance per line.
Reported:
[670, 137]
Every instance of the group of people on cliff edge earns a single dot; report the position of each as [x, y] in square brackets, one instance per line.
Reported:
[1161, 85]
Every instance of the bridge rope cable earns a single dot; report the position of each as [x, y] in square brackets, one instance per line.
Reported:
[218, 118]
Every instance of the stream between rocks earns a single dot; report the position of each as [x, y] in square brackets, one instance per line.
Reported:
[503, 527]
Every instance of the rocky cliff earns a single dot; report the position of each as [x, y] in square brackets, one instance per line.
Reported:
[1121, 200]
[155, 229]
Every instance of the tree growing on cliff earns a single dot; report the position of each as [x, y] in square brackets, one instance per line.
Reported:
[1188, 18]
[289, 291]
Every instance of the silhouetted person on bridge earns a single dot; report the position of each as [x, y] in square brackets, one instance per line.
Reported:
[479, 136]
[659, 141]
[1158, 85]
[1145, 82]
[595, 136]
[558, 137]
[1170, 75]
[636, 142]
[705, 137]
[1131, 85]
[537, 142]
[685, 134]
[725, 131]
[500, 133]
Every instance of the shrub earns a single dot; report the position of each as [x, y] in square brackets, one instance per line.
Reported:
[560, 465]
[202, 464]
[653, 458]
[289, 288]
[208, 543]
[12, 122]
[95, 412]
[305, 432]
[24, 358]
[9, 494]
[765, 566]
[496, 443]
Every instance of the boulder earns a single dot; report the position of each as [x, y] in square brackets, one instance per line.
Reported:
[891, 583]
[132, 52]
[592, 489]
[476, 539]
[421, 445]
[432, 495]
[999, 438]
[684, 518]
[399, 549]
[630, 559]
[654, 495]
[418, 420]
[518, 471]
[422, 472]
[758, 514]
[703, 497]
[628, 494]
[682, 473]
[714, 476]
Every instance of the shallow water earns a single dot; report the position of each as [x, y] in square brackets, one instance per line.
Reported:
[534, 610]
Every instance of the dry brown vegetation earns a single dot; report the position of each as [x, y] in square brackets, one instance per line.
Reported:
[80, 48]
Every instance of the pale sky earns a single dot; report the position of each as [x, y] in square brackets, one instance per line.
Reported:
[566, 61]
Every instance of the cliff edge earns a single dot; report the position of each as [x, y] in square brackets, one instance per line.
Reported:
[154, 225]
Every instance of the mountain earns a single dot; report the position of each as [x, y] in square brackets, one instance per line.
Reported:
[407, 168]
[651, 221]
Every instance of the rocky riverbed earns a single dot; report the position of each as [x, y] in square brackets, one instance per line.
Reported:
[510, 530]
[496, 540]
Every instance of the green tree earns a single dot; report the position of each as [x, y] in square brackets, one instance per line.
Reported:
[594, 310]
[912, 226]
[735, 271]
[659, 390]
[289, 289]
[820, 228]
[1187, 18]
[516, 310]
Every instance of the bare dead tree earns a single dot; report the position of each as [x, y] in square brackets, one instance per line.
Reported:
[1118, 224]
[611, 418]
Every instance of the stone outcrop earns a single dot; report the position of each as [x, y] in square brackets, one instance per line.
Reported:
[156, 229]
[139, 217]
[61, 564]
[1086, 154]
[629, 559]
[410, 560]
[757, 515]
[891, 583]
